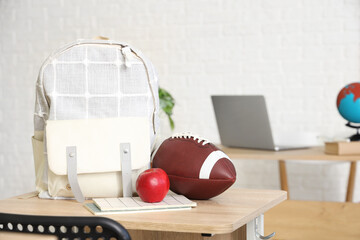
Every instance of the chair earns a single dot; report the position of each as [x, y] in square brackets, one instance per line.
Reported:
[64, 227]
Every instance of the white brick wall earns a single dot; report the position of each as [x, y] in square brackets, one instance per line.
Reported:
[299, 54]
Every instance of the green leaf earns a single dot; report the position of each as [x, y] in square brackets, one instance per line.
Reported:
[167, 103]
[172, 124]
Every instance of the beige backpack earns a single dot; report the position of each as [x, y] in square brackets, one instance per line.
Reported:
[91, 97]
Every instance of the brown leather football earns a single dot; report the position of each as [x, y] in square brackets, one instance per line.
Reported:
[196, 168]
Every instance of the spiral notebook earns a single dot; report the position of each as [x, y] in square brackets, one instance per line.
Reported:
[103, 206]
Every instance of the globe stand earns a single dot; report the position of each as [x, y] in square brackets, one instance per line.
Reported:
[355, 137]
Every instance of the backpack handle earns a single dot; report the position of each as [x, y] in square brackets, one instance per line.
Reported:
[101, 38]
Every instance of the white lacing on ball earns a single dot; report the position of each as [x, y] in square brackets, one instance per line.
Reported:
[190, 135]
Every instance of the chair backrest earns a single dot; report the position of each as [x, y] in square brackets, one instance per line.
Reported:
[64, 227]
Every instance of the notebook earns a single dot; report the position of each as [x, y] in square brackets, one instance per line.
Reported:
[103, 206]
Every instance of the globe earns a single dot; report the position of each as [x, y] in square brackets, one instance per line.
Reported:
[348, 102]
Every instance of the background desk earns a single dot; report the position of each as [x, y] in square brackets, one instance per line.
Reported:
[316, 153]
[298, 220]
[229, 216]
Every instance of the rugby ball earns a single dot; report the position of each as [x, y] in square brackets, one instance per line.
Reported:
[196, 168]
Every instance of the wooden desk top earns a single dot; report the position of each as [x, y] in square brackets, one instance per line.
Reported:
[223, 214]
[315, 153]
[314, 220]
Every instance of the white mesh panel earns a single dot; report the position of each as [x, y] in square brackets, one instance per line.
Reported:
[135, 106]
[89, 79]
[102, 53]
[69, 78]
[68, 108]
[103, 79]
[136, 73]
[49, 74]
[73, 54]
[103, 107]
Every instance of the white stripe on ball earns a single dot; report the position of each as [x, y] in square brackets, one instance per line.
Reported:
[209, 163]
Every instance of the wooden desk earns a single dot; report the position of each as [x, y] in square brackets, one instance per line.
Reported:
[316, 153]
[232, 215]
[314, 220]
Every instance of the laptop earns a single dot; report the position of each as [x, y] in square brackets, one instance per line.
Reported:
[243, 122]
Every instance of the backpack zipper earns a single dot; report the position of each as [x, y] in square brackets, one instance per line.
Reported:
[151, 90]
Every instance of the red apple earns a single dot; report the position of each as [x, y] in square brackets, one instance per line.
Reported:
[152, 185]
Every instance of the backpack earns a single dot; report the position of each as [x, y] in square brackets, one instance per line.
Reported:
[95, 82]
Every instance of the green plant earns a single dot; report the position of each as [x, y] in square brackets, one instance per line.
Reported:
[167, 103]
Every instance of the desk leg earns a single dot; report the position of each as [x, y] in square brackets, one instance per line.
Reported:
[283, 177]
[256, 225]
[351, 182]
[250, 230]
[255, 229]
